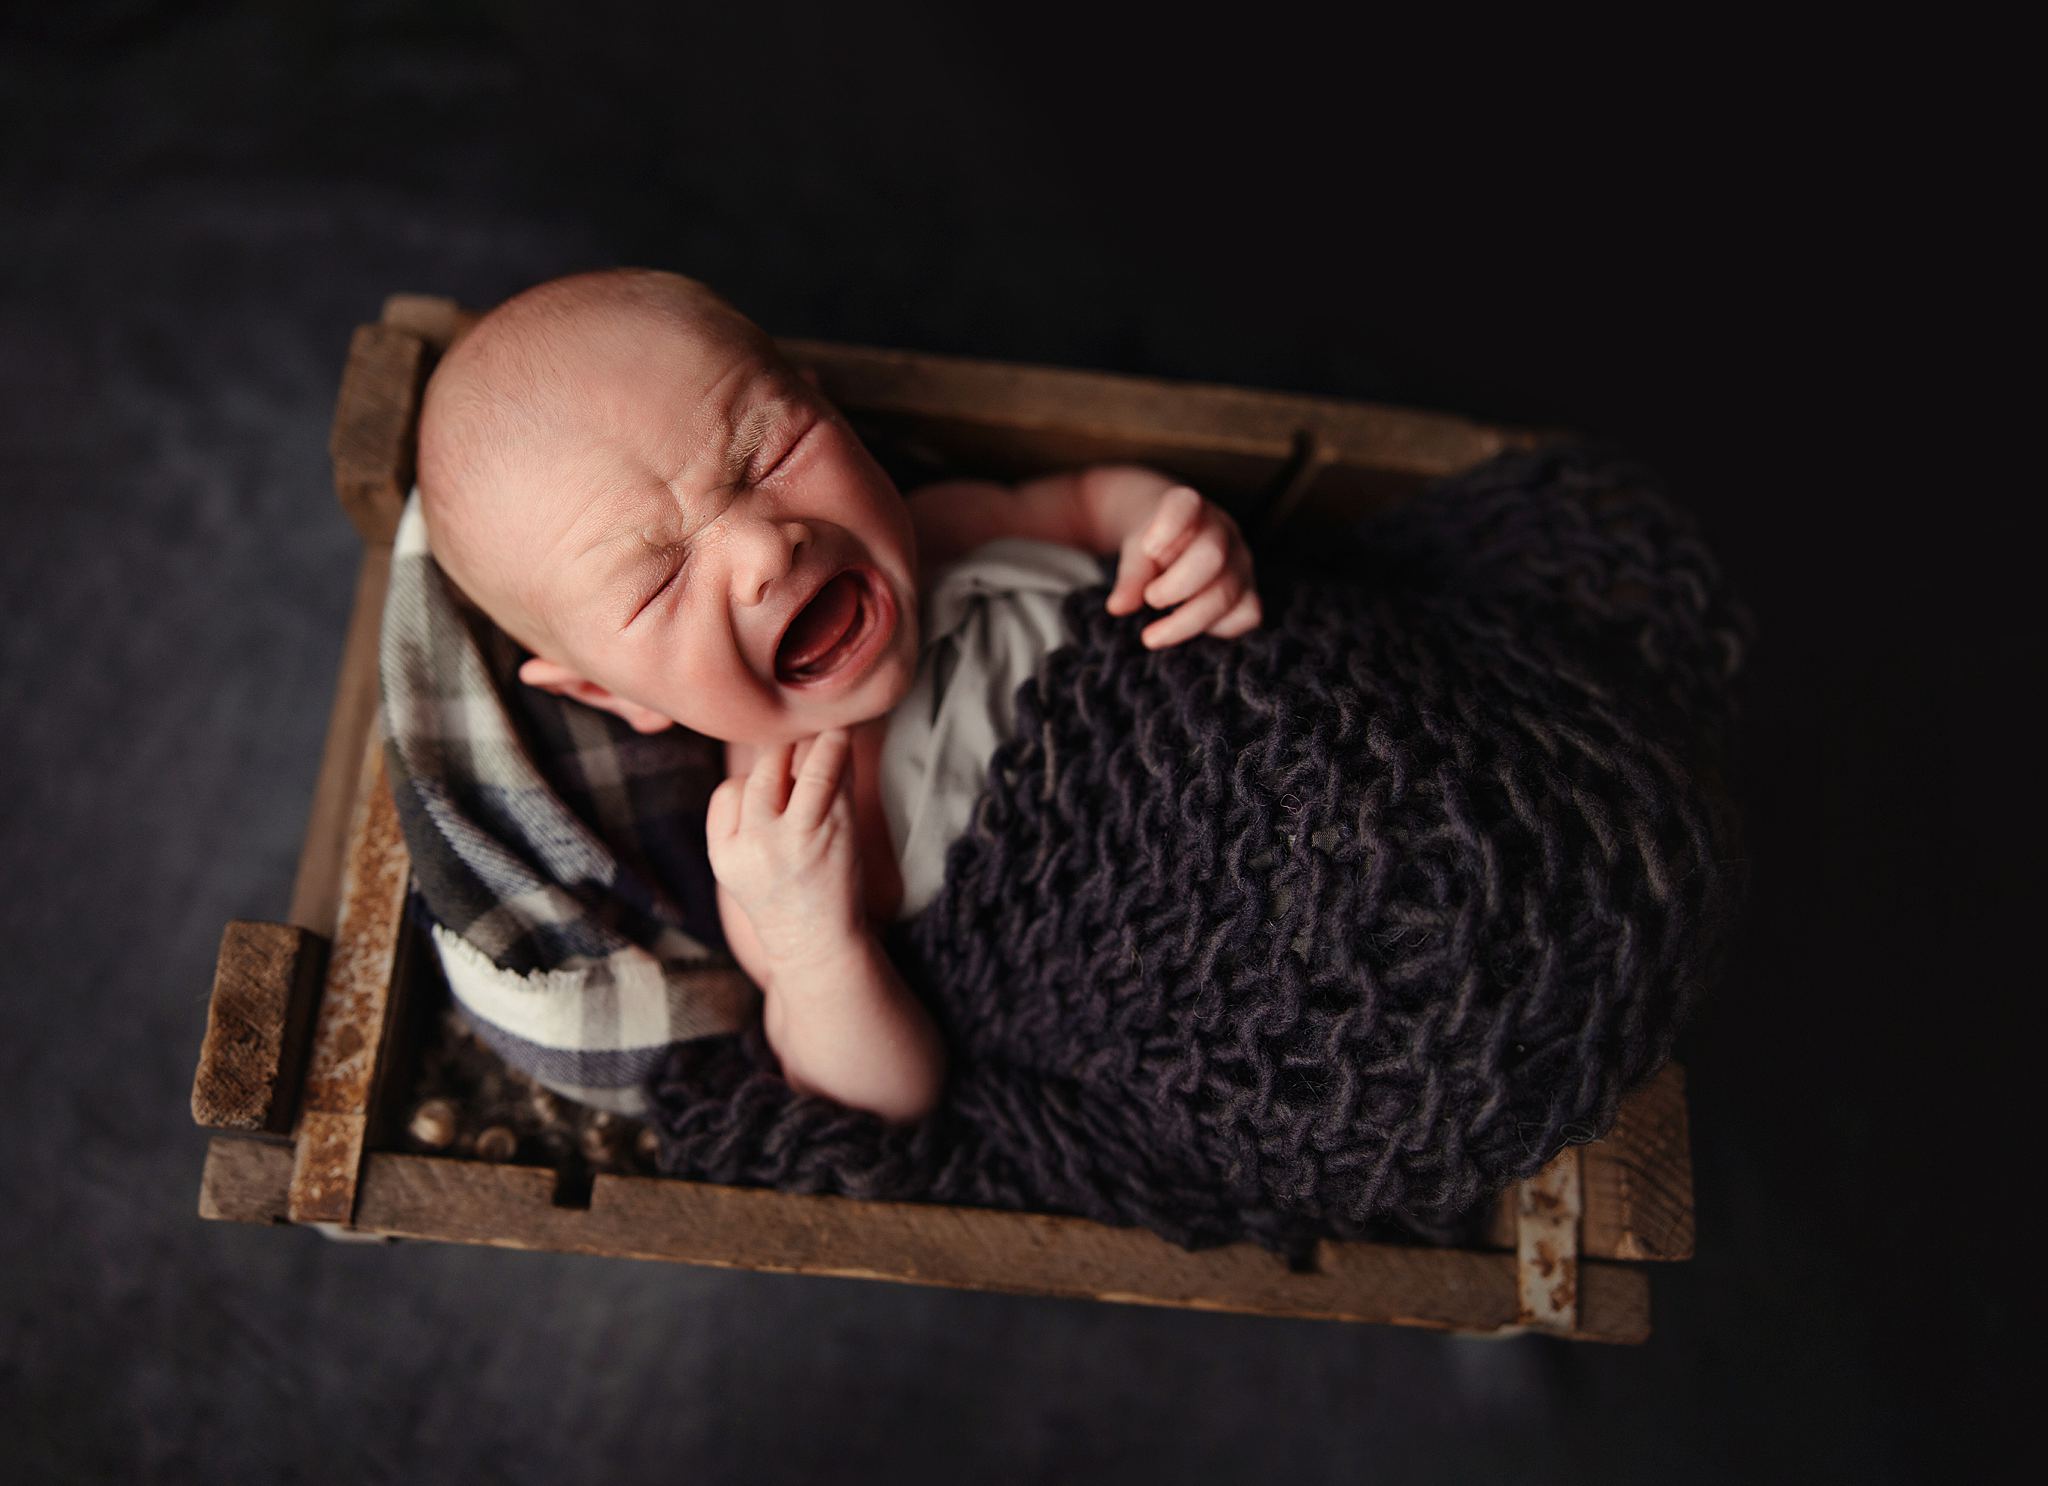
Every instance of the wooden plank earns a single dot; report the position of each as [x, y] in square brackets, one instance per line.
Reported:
[418, 999]
[1190, 414]
[316, 893]
[265, 983]
[376, 420]
[1639, 1201]
[965, 1248]
[245, 1181]
[437, 321]
[941, 447]
[355, 1003]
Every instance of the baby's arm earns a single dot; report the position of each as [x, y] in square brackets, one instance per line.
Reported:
[838, 1016]
[1092, 509]
[1176, 550]
[844, 1025]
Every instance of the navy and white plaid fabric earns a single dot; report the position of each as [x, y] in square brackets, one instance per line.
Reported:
[558, 854]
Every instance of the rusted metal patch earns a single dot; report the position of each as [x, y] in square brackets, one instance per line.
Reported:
[354, 1005]
[1547, 1208]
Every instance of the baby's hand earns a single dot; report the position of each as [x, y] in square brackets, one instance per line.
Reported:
[791, 858]
[1190, 550]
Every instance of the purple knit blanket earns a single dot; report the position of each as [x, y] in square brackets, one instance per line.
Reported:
[1332, 930]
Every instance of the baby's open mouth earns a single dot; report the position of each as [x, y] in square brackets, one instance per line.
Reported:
[829, 630]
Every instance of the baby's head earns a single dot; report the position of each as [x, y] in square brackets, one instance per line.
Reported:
[620, 470]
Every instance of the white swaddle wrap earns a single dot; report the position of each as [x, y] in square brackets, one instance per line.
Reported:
[985, 624]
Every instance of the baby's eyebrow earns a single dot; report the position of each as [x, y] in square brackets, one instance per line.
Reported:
[749, 432]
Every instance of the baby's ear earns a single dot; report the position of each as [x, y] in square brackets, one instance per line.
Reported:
[547, 675]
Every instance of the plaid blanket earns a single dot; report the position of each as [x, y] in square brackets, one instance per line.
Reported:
[557, 855]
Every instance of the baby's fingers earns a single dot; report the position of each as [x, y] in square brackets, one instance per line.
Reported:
[1191, 618]
[722, 814]
[817, 779]
[1153, 547]
[1172, 521]
[1194, 570]
[767, 786]
[1242, 619]
[1133, 572]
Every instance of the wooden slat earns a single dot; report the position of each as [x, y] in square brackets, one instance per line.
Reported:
[1228, 476]
[437, 321]
[1193, 414]
[450, 1201]
[246, 1181]
[355, 1004]
[316, 893]
[376, 418]
[1639, 1202]
[265, 983]
[965, 1248]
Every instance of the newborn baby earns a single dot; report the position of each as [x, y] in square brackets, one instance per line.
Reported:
[621, 471]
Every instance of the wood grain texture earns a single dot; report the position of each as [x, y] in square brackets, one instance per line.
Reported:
[1639, 1200]
[316, 892]
[265, 984]
[347, 1062]
[1066, 402]
[245, 1181]
[965, 1248]
[376, 421]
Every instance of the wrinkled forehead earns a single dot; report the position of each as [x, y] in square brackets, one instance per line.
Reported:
[652, 386]
[645, 403]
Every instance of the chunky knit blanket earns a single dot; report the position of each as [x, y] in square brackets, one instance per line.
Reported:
[1334, 929]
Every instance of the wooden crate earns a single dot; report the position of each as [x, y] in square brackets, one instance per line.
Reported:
[311, 1022]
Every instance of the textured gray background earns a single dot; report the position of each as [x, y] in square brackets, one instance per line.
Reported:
[200, 202]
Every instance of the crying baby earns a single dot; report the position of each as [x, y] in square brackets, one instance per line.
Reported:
[625, 475]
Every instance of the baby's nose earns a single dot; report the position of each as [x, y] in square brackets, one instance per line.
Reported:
[776, 549]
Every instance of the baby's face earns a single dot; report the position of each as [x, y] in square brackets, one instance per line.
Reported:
[689, 499]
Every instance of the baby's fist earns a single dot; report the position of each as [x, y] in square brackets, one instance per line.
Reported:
[1189, 553]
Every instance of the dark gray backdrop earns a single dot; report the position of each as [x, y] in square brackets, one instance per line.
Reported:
[1693, 255]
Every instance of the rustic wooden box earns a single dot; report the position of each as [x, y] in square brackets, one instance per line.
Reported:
[315, 1026]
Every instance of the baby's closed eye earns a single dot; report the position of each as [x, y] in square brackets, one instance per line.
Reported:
[668, 570]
